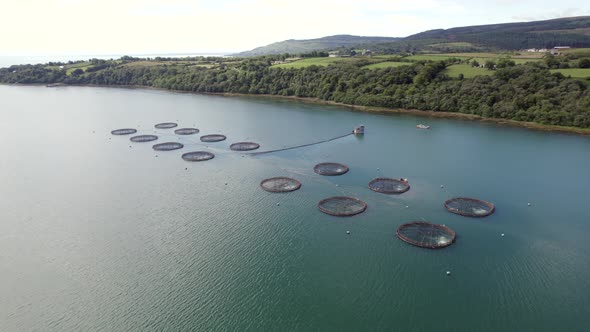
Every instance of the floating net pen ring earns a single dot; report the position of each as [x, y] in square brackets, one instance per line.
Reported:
[469, 207]
[342, 206]
[280, 184]
[244, 146]
[186, 131]
[389, 185]
[143, 138]
[168, 146]
[124, 131]
[426, 235]
[213, 138]
[166, 125]
[330, 169]
[198, 156]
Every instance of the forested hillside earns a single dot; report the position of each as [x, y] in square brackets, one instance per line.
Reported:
[294, 46]
[571, 31]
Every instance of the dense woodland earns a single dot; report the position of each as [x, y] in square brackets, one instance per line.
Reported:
[521, 92]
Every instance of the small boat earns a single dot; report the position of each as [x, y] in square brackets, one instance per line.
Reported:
[360, 130]
[422, 126]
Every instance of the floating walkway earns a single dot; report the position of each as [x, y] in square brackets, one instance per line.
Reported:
[300, 146]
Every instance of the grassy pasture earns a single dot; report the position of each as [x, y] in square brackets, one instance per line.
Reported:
[386, 57]
[520, 61]
[436, 57]
[467, 70]
[516, 61]
[81, 65]
[497, 55]
[574, 72]
[387, 64]
[581, 52]
[146, 63]
[324, 61]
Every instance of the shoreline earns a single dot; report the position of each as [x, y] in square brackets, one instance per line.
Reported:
[366, 109]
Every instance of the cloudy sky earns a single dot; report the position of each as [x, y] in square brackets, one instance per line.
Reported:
[45, 27]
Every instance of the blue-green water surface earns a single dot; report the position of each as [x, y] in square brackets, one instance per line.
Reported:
[98, 233]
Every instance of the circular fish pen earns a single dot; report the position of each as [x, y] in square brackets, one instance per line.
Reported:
[244, 146]
[213, 138]
[186, 131]
[198, 156]
[469, 207]
[426, 235]
[168, 146]
[330, 169]
[280, 185]
[389, 185]
[143, 138]
[124, 131]
[166, 125]
[342, 206]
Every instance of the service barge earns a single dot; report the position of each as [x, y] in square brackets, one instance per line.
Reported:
[360, 130]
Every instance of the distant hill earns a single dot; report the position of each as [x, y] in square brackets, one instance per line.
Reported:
[294, 46]
[570, 31]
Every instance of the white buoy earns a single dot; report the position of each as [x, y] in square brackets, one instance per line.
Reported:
[407, 206]
[529, 204]
[448, 273]
[442, 186]
[502, 234]
[348, 232]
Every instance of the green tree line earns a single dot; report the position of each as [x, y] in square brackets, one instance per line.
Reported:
[520, 92]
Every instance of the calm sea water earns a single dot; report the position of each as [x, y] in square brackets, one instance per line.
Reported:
[98, 235]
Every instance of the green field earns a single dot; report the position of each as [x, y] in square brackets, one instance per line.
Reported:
[313, 61]
[578, 51]
[436, 57]
[517, 61]
[574, 72]
[147, 63]
[521, 61]
[467, 70]
[81, 65]
[386, 57]
[387, 64]
[512, 55]
[479, 56]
